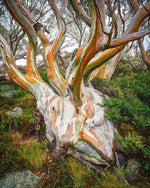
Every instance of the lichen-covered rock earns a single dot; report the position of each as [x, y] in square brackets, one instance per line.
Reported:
[16, 112]
[85, 152]
[133, 171]
[19, 179]
[6, 91]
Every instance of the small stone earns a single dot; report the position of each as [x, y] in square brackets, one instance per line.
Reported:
[16, 112]
[88, 153]
[133, 171]
[6, 90]
[20, 179]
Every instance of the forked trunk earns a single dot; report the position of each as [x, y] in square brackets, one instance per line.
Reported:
[71, 127]
[73, 116]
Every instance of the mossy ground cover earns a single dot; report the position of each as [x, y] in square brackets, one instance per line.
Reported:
[71, 173]
[20, 150]
[34, 153]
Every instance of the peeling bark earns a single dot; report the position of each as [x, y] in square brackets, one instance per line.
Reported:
[70, 107]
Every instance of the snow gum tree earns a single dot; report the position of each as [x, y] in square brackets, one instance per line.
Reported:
[69, 105]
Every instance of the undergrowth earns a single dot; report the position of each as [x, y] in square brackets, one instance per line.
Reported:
[70, 172]
[18, 97]
[129, 108]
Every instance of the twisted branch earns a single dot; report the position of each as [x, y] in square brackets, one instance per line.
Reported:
[128, 36]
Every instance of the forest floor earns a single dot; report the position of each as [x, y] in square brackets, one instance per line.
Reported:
[23, 148]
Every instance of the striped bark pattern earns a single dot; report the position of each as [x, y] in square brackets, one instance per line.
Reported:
[70, 105]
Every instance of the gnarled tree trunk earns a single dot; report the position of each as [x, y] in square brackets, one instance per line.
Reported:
[70, 107]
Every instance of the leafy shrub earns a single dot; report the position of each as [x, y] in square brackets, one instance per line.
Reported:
[132, 143]
[7, 123]
[121, 172]
[130, 105]
[131, 100]
[128, 110]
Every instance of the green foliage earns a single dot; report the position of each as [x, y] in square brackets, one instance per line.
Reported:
[128, 109]
[18, 97]
[132, 143]
[3, 124]
[123, 69]
[7, 123]
[134, 83]
[131, 101]
[43, 73]
[100, 82]
[130, 106]
[59, 173]
[121, 172]
[62, 72]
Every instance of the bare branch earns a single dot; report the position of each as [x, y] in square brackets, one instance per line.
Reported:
[25, 23]
[108, 54]
[95, 39]
[129, 37]
[56, 80]
[14, 73]
[81, 12]
[22, 20]
[143, 54]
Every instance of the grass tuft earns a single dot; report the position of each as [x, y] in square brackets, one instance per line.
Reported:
[34, 154]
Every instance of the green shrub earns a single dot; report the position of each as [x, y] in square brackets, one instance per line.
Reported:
[131, 102]
[132, 143]
[130, 106]
[7, 123]
[125, 109]
[121, 172]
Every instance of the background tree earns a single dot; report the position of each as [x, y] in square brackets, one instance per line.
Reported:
[70, 105]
